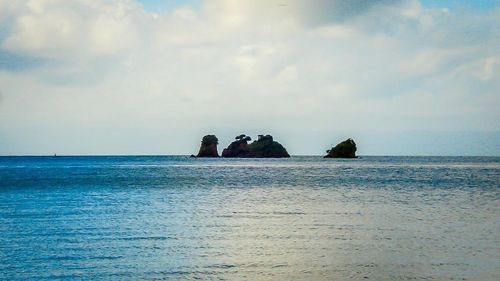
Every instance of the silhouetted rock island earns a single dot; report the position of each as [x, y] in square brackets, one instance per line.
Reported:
[208, 147]
[263, 147]
[345, 149]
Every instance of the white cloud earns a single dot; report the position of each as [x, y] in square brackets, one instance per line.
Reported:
[256, 65]
[60, 29]
[489, 68]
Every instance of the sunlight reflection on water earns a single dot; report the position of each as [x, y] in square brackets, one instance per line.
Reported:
[300, 218]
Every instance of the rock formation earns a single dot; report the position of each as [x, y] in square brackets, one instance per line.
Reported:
[345, 149]
[237, 147]
[208, 147]
[263, 147]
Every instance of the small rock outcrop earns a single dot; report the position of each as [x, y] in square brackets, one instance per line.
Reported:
[345, 149]
[263, 147]
[208, 147]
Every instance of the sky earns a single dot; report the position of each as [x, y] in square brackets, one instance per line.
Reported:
[113, 77]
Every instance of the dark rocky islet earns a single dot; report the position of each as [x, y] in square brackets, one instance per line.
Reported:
[345, 149]
[208, 147]
[264, 147]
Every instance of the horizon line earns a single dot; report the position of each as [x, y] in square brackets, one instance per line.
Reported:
[189, 155]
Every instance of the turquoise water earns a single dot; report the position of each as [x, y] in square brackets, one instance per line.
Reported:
[304, 218]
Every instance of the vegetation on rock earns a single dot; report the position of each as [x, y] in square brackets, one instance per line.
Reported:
[263, 147]
[210, 139]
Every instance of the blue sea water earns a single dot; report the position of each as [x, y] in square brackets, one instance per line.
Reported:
[304, 218]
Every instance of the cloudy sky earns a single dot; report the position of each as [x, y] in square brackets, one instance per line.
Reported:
[153, 76]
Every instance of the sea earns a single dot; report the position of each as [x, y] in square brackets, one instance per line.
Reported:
[302, 218]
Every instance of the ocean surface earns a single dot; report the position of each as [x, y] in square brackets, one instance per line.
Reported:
[304, 218]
